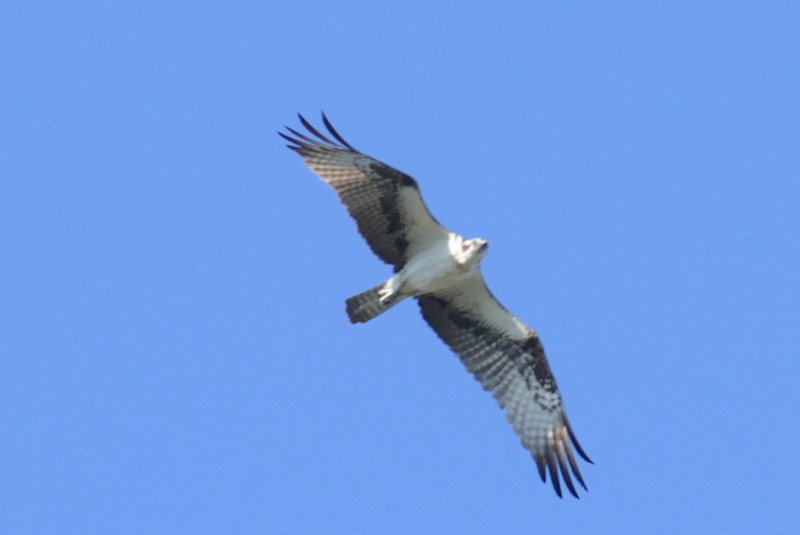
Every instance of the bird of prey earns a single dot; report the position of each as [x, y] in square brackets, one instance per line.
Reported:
[441, 270]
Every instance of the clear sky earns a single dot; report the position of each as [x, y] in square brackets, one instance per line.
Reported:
[175, 353]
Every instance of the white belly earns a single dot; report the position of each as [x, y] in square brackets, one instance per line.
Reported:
[432, 270]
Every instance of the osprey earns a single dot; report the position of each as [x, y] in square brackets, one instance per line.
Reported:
[441, 270]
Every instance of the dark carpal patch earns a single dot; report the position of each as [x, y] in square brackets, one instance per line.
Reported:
[528, 355]
[401, 244]
[389, 209]
[395, 226]
[394, 175]
[538, 363]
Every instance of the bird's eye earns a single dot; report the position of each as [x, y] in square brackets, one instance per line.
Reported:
[465, 246]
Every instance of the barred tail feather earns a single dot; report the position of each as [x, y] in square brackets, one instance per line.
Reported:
[363, 307]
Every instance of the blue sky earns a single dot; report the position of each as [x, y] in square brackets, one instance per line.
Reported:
[176, 357]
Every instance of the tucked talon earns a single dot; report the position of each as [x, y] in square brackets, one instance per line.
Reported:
[385, 294]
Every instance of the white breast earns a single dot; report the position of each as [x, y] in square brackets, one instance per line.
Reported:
[433, 268]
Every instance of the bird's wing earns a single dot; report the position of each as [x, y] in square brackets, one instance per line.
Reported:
[508, 359]
[385, 203]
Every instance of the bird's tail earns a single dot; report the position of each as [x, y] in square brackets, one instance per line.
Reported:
[363, 307]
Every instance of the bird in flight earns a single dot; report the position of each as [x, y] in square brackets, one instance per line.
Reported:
[441, 270]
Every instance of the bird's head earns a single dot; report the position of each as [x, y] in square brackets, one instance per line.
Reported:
[476, 248]
[467, 252]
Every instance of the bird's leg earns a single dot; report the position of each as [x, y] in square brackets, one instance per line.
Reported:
[390, 291]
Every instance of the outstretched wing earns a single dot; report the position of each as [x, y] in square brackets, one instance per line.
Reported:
[385, 202]
[507, 357]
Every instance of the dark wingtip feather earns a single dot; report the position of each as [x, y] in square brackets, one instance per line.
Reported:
[307, 141]
[551, 467]
[577, 445]
[562, 464]
[540, 467]
[287, 138]
[319, 140]
[574, 465]
[310, 128]
[296, 145]
[334, 133]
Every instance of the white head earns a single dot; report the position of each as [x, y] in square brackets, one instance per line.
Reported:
[472, 251]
